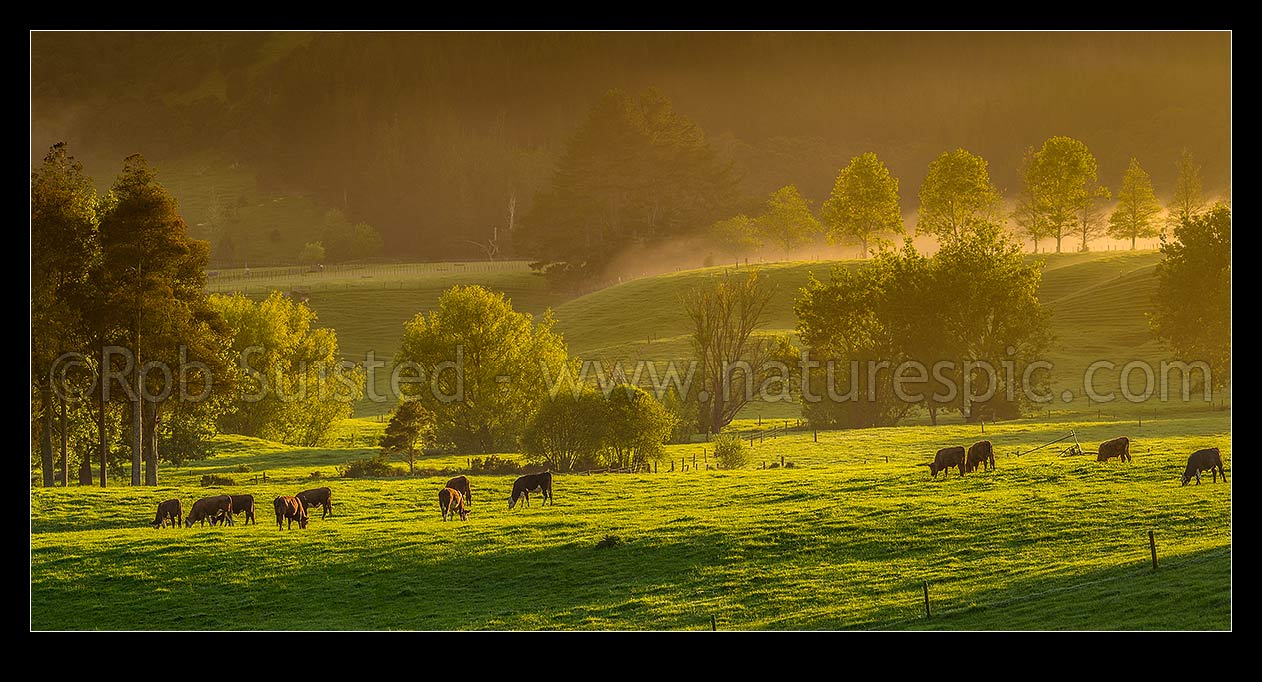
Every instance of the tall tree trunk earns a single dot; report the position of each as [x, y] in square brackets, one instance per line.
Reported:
[137, 438]
[151, 456]
[1132, 242]
[46, 435]
[100, 424]
[65, 462]
[933, 416]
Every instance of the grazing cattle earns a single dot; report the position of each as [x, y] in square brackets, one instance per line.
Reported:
[947, 458]
[168, 510]
[320, 496]
[982, 454]
[1201, 460]
[210, 508]
[522, 487]
[244, 503]
[452, 502]
[1118, 447]
[291, 509]
[461, 483]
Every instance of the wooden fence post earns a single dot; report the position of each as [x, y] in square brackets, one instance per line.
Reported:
[816, 432]
[1152, 547]
[925, 584]
[781, 461]
[714, 624]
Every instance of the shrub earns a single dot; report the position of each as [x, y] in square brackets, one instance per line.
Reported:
[371, 467]
[610, 541]
[215, 479]
[314, 474]
[244, 469]
[493, 464]
[730, 452]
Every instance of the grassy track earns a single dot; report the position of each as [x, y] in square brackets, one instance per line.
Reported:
[1042, 542]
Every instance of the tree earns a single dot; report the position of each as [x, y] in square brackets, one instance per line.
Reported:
[291, 385]
[956, 195]
[409, 427]
[343, 241]
[312, 253]
[730, 452]
[64, 247]
[787, 220]
[153, 287]
[724, 314]
[568, 430]
[1137, 207]
[736, 235]
[1056, 181]
[1187, 200]
[1091, 215]
[1193, 297]
[1029, 218]
[863, 203]
[481, 367]
[636, 425]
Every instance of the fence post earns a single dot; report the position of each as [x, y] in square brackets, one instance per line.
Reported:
[714, 625]
[887, 459]
[816, 434]
[1152, 547]
[781, 461]
[925, 584]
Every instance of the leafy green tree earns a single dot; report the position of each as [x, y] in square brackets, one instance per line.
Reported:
[481, 367]
[64, 247]
[1030, 219]
[864, 202]
[956, 195]
[636, 427]
[343, 241]
[567, 431]
[787, 220]
[1137, 207]
[152, 281]
[291, 386]
[1193, 297]
[730, 452]
[736, 235]
[410, 426]
[1188, 200]
[312, 253]
[1057, 182]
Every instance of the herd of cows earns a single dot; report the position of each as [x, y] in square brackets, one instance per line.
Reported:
[454, 500]
[456, 496]
[982, 454]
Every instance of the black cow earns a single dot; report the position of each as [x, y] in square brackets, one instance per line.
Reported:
[522, 487]
[1201, 460]
[320, 496]
[168, 510]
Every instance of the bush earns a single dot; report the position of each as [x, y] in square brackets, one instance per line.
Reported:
[496, 465]
[214, 479]
[730, 452]
[372, 467]
[314, 474]
[244, 469]
[609, 541]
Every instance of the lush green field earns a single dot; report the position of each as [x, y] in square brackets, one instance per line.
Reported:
[842, 540]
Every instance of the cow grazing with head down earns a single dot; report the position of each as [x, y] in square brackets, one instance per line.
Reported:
[291, 509]
[168, 510]
[523, 485]
[1208, 459]
[1118, 447]
[210, 508]
[461, 483]
[317, 496]
[452, 503]
[982, 454]
[947, 458]
[244, 503]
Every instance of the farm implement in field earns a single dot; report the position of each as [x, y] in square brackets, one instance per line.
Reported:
[1074, 448]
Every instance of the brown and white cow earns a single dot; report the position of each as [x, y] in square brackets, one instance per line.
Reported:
[452, 503]
[291, 509]
[461, 483]
[168, 510]
[209, 508]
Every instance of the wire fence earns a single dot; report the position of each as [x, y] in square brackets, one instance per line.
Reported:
[302, 279]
